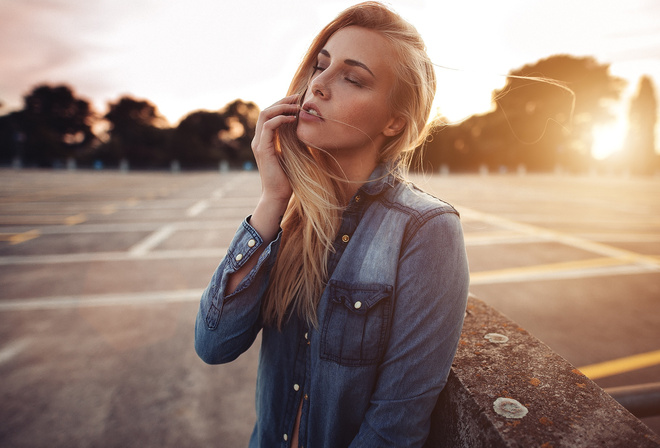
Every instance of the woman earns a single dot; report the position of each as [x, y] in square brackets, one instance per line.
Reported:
[362, 291]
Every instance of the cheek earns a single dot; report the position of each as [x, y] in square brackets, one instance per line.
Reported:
[369, 116]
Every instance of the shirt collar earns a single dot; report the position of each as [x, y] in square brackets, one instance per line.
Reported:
[381, 177]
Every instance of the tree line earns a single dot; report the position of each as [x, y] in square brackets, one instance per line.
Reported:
[55, 127]
[543, 119]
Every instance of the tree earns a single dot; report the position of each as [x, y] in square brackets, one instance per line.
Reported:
[545, 124]
[196, 140]
[640, 141]
[138, 133]
[204, 138]
[12, 137]
[543, 117]
[54, 125]
[241, 120]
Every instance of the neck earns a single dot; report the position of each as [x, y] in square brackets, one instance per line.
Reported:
[357, 171]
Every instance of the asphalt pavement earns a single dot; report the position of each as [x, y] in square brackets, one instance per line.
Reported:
[101, 273]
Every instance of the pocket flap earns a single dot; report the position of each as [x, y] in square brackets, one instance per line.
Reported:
[359, 297]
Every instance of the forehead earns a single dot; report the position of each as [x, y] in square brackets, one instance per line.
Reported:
[361, 44]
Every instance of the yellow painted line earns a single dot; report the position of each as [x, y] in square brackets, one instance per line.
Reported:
[18, 238]
[75, 219]
[109, 209]
[25, 236]
[621, 365]
[488, 276]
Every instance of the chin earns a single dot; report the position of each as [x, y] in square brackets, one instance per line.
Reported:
[305, 137]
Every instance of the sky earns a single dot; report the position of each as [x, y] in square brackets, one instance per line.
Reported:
[202, 54]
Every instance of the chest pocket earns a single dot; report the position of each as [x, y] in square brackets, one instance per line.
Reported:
[356, 324]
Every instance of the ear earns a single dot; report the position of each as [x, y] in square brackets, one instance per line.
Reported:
[394, 126]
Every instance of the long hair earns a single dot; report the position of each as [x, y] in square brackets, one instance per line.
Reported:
[313, 216]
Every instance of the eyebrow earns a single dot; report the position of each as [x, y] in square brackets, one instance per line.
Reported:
[351, 62]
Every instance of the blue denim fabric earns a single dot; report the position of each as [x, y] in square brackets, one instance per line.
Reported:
[390, 318]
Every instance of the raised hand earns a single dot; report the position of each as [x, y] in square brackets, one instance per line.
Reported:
[275, 184]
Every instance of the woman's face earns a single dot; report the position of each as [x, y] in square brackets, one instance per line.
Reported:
[345, 110]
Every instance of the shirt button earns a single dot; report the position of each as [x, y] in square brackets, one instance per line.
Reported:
[286, 437]
[296, 387]
[357, 198]
[306, 397]
[306, 336]
[357, 305]
[345, 238]
[239, 257]
[251, 243]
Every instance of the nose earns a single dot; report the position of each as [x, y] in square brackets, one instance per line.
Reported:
[319, 87]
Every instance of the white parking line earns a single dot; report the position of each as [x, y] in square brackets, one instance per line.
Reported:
[219, 193]
[123, 299]
[12, 349]
[152, 241]
[197, 208]
[646, 261]
[113, 256]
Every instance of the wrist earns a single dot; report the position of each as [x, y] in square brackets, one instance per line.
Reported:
[273, 205]
[267, 217]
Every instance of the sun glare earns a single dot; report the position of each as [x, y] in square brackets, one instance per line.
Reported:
[463, 93]
[608, 139]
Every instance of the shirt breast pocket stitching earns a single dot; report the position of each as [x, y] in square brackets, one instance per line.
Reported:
[355, 327]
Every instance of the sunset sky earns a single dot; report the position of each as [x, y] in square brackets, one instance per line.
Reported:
[201, 54]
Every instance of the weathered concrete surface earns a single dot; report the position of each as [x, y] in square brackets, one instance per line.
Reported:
[564, 408]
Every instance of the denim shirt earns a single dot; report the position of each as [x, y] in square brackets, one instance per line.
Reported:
[389, 320]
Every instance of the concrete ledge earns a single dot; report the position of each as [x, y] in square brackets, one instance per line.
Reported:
[507, 389]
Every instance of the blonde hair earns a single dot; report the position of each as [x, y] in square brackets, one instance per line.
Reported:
[313, 216]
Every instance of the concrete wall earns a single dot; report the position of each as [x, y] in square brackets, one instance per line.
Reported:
[507, 389]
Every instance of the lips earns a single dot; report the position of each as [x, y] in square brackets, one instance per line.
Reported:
[311, 109]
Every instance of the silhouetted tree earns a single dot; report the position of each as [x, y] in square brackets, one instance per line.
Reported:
[204, 138]
[640, 141]
[541, 127]
[241, 120]
[138, 133]
[53, 126]
[12, 137]
[534, 122]
[196, 140]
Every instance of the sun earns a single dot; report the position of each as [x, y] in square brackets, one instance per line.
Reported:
[608, 139]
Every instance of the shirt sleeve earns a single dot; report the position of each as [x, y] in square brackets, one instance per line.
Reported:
[227, 325]
[430, 302]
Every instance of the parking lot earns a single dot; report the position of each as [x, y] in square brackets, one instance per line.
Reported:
[101, 274]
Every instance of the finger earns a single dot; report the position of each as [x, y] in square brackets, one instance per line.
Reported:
[267, 130]
[271, 125]
[289, 101]
[277, 109]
